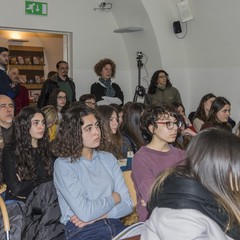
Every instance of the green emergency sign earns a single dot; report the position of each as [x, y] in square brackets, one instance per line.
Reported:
[36, 8]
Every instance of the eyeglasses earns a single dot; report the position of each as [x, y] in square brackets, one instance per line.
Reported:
[162, 77]
[61, 97]
[91, 103]
[170, 125]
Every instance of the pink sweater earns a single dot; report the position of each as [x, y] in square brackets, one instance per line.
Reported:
[147, 164]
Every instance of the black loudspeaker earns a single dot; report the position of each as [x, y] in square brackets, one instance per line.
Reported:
[177, 27]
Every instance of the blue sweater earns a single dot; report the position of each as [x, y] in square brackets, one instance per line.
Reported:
[84, 187]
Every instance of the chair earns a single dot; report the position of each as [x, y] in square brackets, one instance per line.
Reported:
[130, 186]
[5, 217]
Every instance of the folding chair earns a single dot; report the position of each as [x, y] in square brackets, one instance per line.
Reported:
[5, 218]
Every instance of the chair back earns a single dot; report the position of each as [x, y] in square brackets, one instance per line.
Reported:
[130, 186]
[5, 217]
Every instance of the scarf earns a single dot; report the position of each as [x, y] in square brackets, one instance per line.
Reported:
[110, 92]
[186, 193]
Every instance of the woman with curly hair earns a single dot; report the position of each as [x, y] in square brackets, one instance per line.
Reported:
[200, 200]
[58, 99]
[161, 90]
[27, 161]
[91, 190]
[105, 90]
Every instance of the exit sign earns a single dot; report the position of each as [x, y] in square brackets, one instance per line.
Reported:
[36, 8]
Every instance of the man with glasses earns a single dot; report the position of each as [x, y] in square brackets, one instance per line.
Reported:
[161, 123]
[7, 87]
[6, 118]
[60, 80]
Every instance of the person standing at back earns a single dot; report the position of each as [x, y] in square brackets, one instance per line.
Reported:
[22, 99]
[161, 90]
[105, 91]
[7, 87]
[60, 80]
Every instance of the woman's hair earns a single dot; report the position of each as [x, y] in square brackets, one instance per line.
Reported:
[53, 99]
[69, 142]
[86, 97]
[102, 63]
[176, 105]
[111, 142]
[213, 159]
[217, 105]
[154, 81]
[22, 139]
[200, 113]
[132, 126]
[50, 113]
[152, 114]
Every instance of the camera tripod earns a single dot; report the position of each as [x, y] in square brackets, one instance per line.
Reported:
[140, 90]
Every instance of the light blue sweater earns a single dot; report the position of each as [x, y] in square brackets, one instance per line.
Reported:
[84, 187]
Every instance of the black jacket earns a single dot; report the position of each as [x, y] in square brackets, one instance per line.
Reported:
[180, 192]
[48, 86]
[42, 215]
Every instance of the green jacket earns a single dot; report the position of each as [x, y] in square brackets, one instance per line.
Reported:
[167, 95]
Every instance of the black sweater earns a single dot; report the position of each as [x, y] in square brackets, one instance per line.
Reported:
[20, 190]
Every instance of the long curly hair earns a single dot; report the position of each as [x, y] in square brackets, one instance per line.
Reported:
[102, 63]
[154, 81]
[68, 142]
[25, 160]
[53, 99]
[111, 142]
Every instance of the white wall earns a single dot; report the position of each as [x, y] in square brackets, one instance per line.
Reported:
[206, 60]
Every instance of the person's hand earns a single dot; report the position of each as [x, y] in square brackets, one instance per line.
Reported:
[116, 197]
[143, 203]
[189, 131]
[78, 222]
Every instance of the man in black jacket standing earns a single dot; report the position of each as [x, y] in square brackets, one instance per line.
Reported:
[62, 81]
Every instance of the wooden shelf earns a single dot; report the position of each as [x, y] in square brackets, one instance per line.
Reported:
[27, 67]
[33, 85]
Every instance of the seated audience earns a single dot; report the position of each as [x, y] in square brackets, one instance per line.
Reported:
[201, 114]
[52, 122]
[58, 99]
[120, 114]
[27, 161]
[219, 114]
[199, 200]
[91, 190]
[88, 100]
[132, 133]
[162, 122]
[6, 119]
[111, 139]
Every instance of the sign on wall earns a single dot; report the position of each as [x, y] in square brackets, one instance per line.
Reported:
[36, 8]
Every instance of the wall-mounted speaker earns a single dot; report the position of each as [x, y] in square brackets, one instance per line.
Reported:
[177, 27]
[184, 11]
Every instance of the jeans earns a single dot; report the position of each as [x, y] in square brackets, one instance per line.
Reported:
[104, 229]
